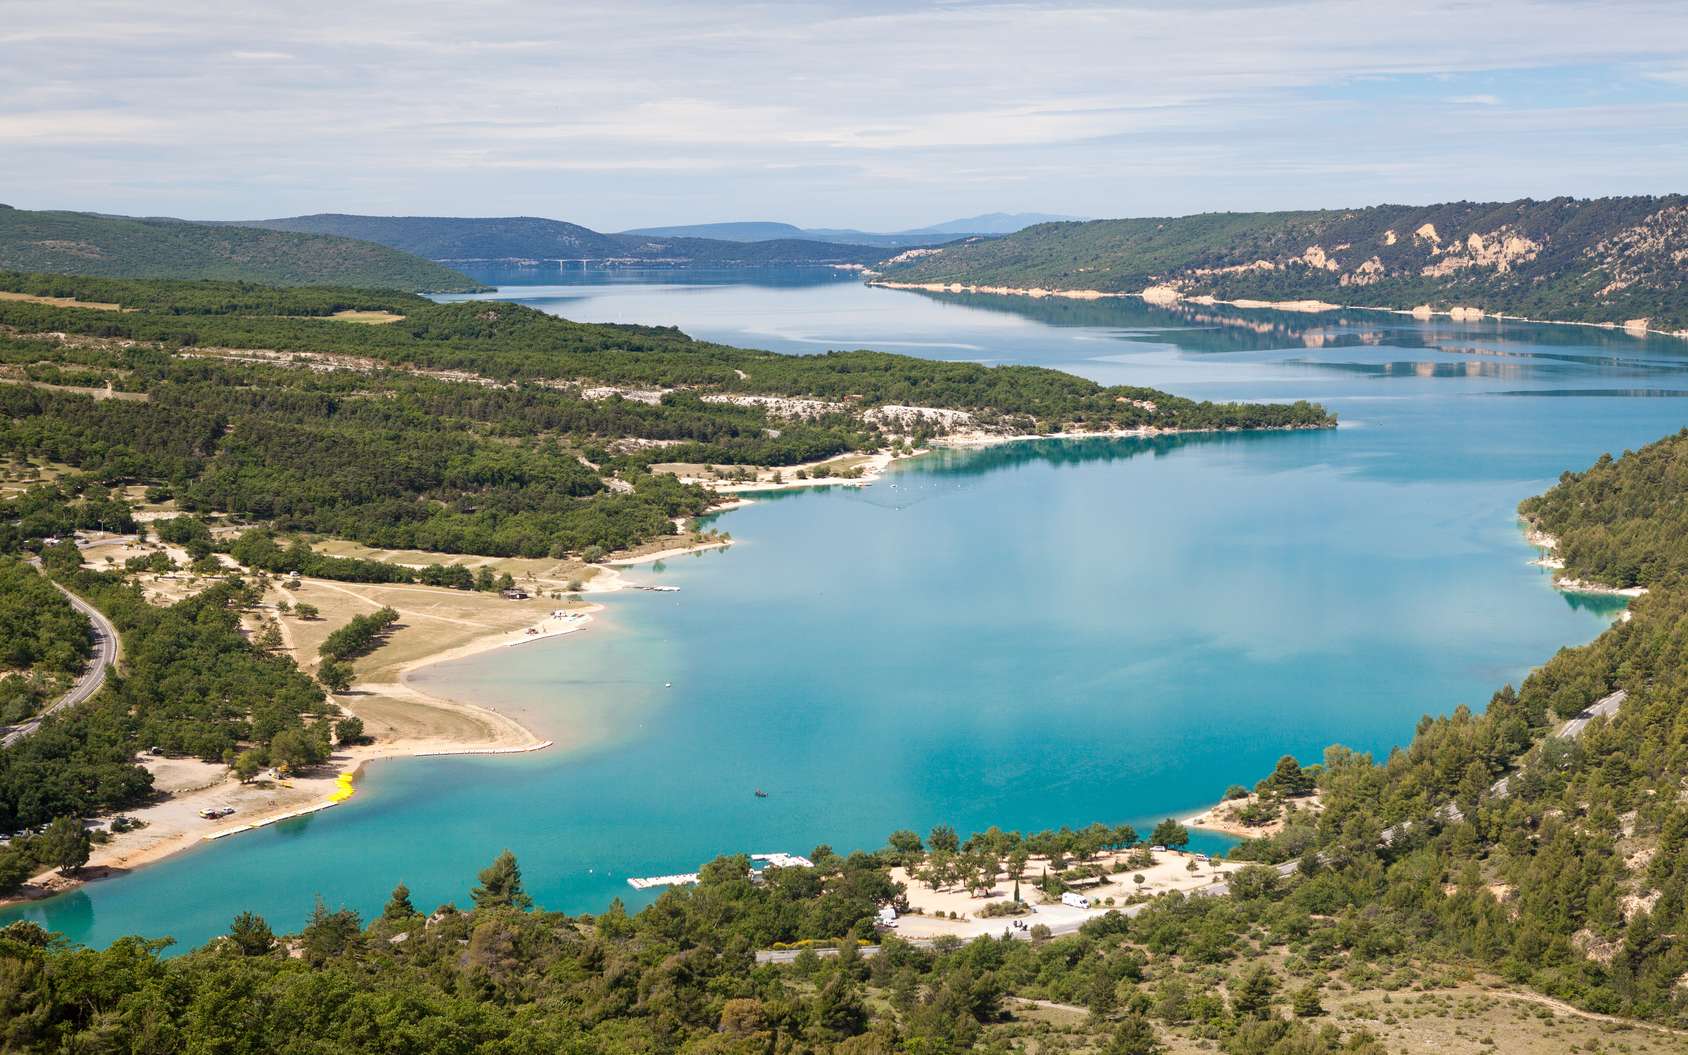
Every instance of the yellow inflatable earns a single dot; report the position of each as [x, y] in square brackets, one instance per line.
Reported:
[343, 788]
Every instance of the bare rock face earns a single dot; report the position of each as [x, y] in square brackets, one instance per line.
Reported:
[1606, 261]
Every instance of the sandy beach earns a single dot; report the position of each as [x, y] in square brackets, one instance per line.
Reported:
[436, 625]
[1171, 871]
[1223, 817]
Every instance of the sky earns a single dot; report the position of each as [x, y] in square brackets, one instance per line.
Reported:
[863, 114]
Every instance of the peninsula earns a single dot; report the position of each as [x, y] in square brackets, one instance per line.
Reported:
[323, 488]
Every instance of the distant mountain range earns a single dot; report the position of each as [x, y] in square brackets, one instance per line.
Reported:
[1607, 260]
[995, 223]
[463, 239]
[79, 243]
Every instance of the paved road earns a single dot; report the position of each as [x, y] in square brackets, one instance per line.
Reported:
[1603, 708]
[106, 650]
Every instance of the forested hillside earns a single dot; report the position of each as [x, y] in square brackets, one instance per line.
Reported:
[1621, 522]
[43, 641]
[453, 238]
[75, 243]
[499, 425]
[1601, 260]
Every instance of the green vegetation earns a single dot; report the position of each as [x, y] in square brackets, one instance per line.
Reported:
[1573, 883]
[191, 685]
[358, 637]
[75, 243]
[466, 428]
[452, 238]
[44, 642]
[1622, 522]
[1604, 260]
[462, 428]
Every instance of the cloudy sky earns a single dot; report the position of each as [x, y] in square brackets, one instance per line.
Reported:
[869, 113]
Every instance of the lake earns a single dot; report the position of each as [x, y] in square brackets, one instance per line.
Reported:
[1032, 635]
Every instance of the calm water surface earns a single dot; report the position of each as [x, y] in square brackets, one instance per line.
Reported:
[1050, 633]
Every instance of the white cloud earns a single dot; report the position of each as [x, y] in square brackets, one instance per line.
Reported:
[871, 112]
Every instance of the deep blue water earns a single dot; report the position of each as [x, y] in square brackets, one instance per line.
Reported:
[1044, 634]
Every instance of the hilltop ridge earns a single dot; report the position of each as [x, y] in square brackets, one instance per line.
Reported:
[1607, 260]
[80, 243]
[496, 238]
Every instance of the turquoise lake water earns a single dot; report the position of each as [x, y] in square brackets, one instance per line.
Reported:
[1043, 634]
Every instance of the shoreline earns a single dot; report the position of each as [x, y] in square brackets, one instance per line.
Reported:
[172, 823]
[1548, 544]
[966, 439]
[1166, 296]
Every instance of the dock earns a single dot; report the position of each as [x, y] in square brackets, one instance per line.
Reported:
[683, 879]
[774, 860]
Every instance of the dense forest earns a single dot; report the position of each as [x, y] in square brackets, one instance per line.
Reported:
[43, 641]
[1601, 260]
[1621, 522]
[1573, 883]
[452, 238]
[468, 427]
[76, 243]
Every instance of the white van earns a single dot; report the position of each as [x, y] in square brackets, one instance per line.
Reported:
[1073, 900]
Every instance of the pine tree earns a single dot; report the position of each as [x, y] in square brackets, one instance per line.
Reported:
[501, 885]
[251, 934]
[398, 905]
[66, 844]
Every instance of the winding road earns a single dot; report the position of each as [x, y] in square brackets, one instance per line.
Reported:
[106, 651]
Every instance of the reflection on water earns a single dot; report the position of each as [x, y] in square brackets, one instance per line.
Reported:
[1603, 604]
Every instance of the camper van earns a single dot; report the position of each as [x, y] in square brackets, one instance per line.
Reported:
[1073, 900]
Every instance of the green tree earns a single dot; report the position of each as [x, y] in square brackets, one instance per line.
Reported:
[247, 765]
[65, 844]
[335, 675]
[349, 730]
[1169, 833]
[398, 904]
[838, 1010]
[1305, 1001]
[1251, 994]
[296, 749]
[905, 842]
[501, 884]
[1134, 1036]
[329, 934]
[1289, 778]
[943, 837]
[251, 934]
[306, 611]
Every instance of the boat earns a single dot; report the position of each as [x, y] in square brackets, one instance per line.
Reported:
[761, 794]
